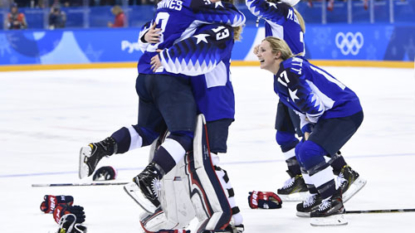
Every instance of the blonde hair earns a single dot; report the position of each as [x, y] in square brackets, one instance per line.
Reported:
[116, 10]
[237, 31]
[279, 45]
[300, 19]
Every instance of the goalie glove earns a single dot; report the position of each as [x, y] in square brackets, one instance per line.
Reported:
[264, 200]
[50, 202]
[67, 224]
[62, 210]
[105, 173]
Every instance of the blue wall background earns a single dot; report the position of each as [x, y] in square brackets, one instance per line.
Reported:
[325, 42]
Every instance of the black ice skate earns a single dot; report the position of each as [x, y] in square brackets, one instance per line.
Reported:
[330, 206]
[330, 212]
[310, 204]
[294, 189]
[90, 156]
[349, 182]
[145, 187]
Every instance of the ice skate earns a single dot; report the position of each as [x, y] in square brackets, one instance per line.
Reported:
[330, 212]
[350, 182]
[145, 188]
[294, 189]
[310, 204]
[231, 228]
[90, 156]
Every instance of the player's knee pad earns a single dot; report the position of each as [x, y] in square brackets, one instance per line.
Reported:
[286, 140]
[309, 154]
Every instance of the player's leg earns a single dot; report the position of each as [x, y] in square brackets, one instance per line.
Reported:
[287, 140]
[125, 139]
[174, 99]
[218, 136]
[328, 137]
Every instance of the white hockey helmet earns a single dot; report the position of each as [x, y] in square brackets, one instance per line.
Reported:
[290, 2]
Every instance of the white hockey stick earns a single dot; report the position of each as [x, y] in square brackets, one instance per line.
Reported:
[79, 184]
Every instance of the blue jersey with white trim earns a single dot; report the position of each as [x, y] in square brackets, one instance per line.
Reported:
[206, 55]
[280, 22]
[179, 19]
[312, 91]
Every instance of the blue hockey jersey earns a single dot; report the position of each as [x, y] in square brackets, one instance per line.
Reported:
[313, 92]
[179, 19]
[280, 22]
[206, 54]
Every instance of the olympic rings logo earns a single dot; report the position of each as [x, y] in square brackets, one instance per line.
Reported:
[349, 43]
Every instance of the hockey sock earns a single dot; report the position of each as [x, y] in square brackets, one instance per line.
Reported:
[133, 137]
[172, 150]
[337, 162]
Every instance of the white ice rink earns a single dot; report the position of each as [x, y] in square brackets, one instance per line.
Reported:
[46, 116]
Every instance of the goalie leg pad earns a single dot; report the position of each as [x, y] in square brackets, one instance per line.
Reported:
[207, 192]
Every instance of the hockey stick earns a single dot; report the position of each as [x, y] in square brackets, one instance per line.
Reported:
[77, 184]
[379, 211]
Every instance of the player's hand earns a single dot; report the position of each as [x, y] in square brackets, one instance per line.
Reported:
[264, 200]
[62, 210]
[256, 50]
[155, 63]
[50, 202]
[153, 35]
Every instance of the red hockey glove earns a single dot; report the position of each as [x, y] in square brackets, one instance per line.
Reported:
[76, 210]
[50, 202]
[264, 200]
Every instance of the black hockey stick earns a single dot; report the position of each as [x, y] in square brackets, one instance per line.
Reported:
[78, 184]
[379, 211]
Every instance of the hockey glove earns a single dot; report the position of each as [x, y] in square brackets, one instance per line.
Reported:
[264, 200]
[67, 224]
[50, 202]
[76, 210]
[105, 173]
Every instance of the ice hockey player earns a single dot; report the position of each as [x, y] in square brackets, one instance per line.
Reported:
[321, 101]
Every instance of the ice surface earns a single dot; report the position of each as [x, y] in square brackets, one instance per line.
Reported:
[46, 116]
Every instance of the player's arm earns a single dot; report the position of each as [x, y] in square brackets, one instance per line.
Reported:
[267, 10]
[200, 53]
[221, 12]
[148, 34]
[301, 94]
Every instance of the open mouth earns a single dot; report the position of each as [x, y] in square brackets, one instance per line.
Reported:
[261, 61]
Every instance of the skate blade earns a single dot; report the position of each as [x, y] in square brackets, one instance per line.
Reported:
[354, 188]
[303, 214]
[83, 167]
[295, 197]
[135, 193]
[331, 221]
